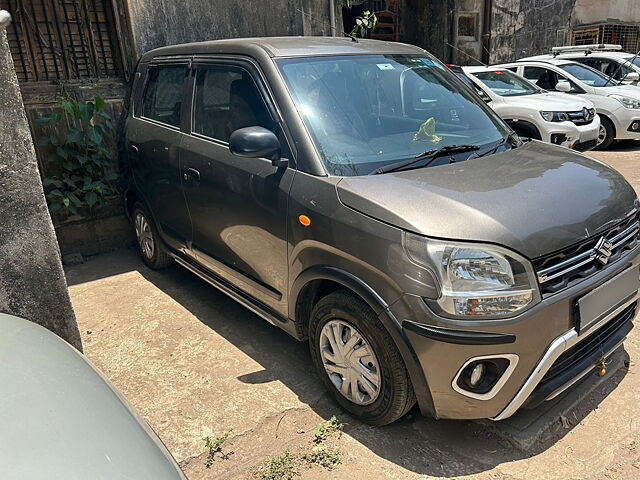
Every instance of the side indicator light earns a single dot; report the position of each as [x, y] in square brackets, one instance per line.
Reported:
[304, 220]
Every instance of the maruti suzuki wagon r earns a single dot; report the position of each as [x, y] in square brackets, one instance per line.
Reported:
[359, 196]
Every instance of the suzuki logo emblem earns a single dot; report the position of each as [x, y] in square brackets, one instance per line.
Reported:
[603, 250]
[585, 114]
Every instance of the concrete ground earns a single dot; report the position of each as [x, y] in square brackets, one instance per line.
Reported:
[194, 364]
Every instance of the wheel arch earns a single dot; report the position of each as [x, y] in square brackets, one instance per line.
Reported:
[525, 126]
[316, 282]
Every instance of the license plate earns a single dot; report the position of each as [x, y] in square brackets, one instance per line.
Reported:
[596, 304]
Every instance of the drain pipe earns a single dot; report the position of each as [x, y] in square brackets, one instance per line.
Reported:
[485, 43]
[332, 17]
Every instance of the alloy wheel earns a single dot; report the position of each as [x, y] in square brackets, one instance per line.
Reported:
[144, 235]
[350, 362]
[602, 134]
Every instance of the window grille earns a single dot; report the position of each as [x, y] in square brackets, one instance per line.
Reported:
[63, 39]
[625, 35]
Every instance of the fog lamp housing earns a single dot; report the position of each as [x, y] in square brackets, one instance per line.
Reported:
[483, 377]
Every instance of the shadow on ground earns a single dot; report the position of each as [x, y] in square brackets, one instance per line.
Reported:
[440, 448]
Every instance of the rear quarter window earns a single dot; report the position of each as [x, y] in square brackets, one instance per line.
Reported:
[162, 99]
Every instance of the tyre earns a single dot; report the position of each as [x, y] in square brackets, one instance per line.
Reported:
[358, 360]
[151, 251]
[526, 131]
[606, 134]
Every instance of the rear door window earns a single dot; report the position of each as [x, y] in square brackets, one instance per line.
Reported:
[162, 100]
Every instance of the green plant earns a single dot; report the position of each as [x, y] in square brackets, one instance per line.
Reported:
[79, 158]
[215, 446]
[325, 428]
[279, 468]
[323, 455]
[364, 24]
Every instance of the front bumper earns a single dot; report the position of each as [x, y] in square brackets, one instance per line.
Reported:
[536, 339]
[623, 118]
[567, 134]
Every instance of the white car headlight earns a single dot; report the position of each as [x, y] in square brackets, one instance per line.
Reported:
[476, 280]
[555, 116]
[627, 102]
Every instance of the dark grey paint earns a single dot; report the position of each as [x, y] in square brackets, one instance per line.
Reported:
[62, 420]
[247, 239]
[535, 199]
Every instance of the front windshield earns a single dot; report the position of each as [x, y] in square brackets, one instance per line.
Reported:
[506, 83]
[587, 75]
[366, 111]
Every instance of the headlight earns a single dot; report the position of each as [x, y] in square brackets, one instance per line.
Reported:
[555, 116]
[475, 280]
[627, 102]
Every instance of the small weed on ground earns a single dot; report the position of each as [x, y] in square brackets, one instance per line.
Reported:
[279, 468]
[322, 431]
[287, 465]
[328, 457]
[215, 446]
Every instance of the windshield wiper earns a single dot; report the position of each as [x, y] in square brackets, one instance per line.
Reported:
[493, 149]
[431, 155]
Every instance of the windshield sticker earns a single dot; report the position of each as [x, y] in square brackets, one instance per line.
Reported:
[385, 66]
[431, 63]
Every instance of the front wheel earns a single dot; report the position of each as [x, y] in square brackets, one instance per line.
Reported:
[358, 361]
[606, 134]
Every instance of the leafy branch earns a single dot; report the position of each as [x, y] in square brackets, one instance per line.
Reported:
[80, 157]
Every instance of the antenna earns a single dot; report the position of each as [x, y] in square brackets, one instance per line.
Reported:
[470, 56]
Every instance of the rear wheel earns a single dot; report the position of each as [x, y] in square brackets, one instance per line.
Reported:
[606, 134]
[358, 361]
[151, 251]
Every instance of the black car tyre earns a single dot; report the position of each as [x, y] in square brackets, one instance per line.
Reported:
[358, 360]
[149, 246]
[606, 134]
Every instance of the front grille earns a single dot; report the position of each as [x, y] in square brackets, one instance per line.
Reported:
[582, 117]
[591, 347]
[563, 269]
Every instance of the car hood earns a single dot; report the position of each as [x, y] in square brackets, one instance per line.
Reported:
[534, 199]
[553, 102]
[61, 419]
[628, 90]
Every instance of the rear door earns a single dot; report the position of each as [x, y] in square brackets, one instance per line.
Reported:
[238, 205]
[154, 135]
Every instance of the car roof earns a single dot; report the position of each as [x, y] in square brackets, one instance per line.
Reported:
[286, 47]
[490, 68]
[546, 59]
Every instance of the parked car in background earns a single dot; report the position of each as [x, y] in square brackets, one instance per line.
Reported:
[609, 59]
[61, 419]
[360, 197]
[531, 112]
[617, 105]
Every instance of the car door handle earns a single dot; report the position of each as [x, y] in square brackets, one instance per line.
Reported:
[191, 174]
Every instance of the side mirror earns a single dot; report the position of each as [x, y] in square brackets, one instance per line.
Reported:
[563, 86]
[256, 142]
[632, 77]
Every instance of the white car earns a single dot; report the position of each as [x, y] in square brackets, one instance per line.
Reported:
[556, 118]
[617, 105]
[609, 59]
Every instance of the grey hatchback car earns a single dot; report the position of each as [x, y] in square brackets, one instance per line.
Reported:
[357, 195]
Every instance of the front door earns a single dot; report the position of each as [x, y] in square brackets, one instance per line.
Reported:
[238, 205]
[154, 138]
